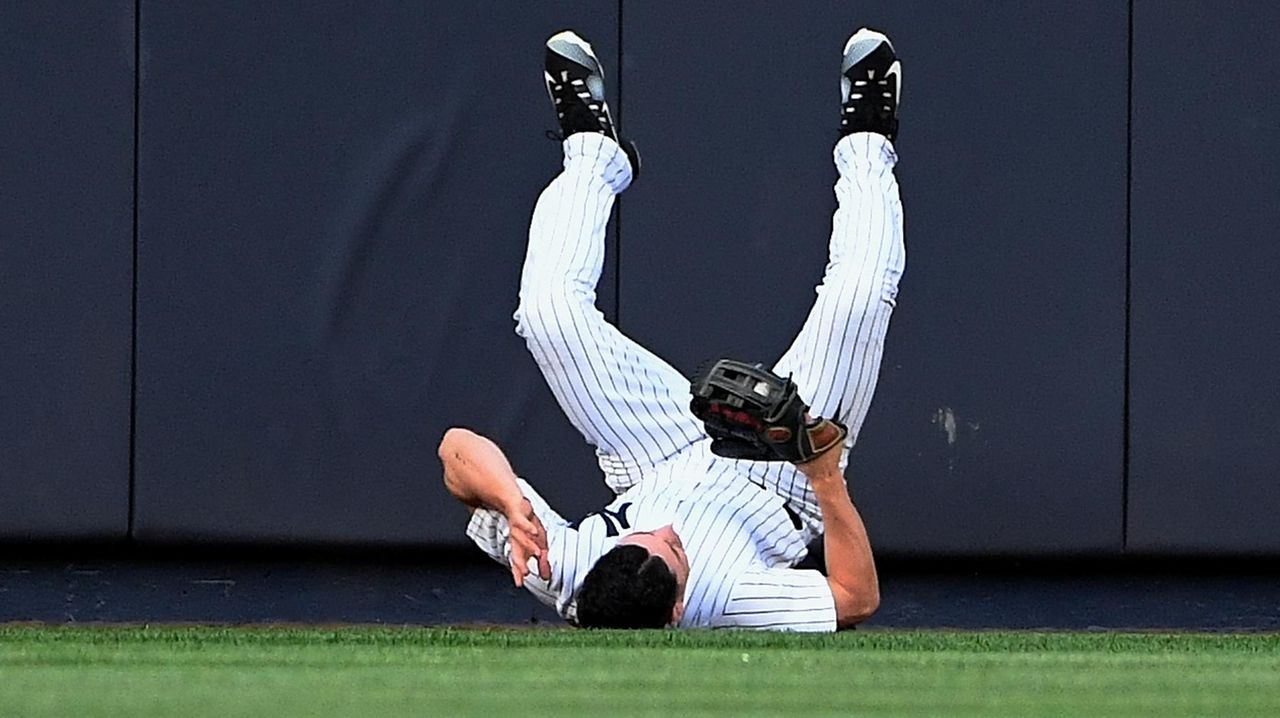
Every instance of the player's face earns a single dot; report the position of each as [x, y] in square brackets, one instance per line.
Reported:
[665, 544]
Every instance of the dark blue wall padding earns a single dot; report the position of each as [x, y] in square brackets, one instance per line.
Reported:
[1011, 312]
[1204, 389]
[66, 274]
[334, 200]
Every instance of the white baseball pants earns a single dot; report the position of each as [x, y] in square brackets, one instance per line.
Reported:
[633, 406]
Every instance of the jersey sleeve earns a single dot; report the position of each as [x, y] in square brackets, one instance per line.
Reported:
[489, 530]
[780, 599]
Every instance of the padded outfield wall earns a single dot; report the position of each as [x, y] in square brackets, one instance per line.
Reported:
[256, 257]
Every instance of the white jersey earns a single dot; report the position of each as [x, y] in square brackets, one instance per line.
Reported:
[740, 539]
[743, 524]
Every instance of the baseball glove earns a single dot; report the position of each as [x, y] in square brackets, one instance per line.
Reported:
[752, 413]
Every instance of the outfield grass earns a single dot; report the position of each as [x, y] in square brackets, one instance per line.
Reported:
[228, 672]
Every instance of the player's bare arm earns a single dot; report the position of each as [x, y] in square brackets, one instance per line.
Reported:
[479, 475]
[851, 569]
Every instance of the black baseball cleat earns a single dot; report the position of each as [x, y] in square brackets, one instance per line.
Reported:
[575, 82]
[870, 85]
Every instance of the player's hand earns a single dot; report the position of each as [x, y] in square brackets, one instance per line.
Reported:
[528, 540]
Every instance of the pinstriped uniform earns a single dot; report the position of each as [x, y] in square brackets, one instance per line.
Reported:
[743, 524]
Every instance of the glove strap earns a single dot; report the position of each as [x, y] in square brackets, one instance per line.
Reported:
[824, 435]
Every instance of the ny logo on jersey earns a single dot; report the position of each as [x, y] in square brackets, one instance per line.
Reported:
[613, 520]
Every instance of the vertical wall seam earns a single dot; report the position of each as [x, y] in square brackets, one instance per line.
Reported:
[617, 226]
[1128, 289]
[133, 332]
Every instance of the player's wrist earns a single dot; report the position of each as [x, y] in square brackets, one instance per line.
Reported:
[824, 472]
[824, 476]
[514, 504]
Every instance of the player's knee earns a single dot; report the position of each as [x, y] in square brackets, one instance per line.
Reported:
[545, 314]
[849, 300]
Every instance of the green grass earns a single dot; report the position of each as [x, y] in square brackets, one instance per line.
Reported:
[377, 672]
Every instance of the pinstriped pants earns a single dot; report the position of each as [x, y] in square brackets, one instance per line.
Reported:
[633, 406]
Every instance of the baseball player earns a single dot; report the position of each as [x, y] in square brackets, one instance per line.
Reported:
[710, 517]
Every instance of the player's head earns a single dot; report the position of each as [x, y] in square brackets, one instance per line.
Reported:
[639, 584]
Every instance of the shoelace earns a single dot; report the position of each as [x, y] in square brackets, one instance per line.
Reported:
[582, 94]
[886, 94]
[857, 97]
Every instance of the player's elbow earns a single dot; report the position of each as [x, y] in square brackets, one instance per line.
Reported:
[453, 449]
[449, 443]
[860, 611]
[853, 606]
[452, 452]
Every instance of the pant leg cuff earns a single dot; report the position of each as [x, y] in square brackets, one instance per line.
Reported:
[599, 155]
[865, 150]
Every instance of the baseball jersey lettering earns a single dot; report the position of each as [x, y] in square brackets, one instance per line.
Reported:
[613, 521]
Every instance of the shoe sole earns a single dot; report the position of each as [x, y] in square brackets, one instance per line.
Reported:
[867, 40]
[570, 45]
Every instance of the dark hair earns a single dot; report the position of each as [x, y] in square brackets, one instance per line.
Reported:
[627, 588]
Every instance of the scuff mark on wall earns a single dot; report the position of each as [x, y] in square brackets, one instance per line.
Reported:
[954, 428]
[945, 420]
